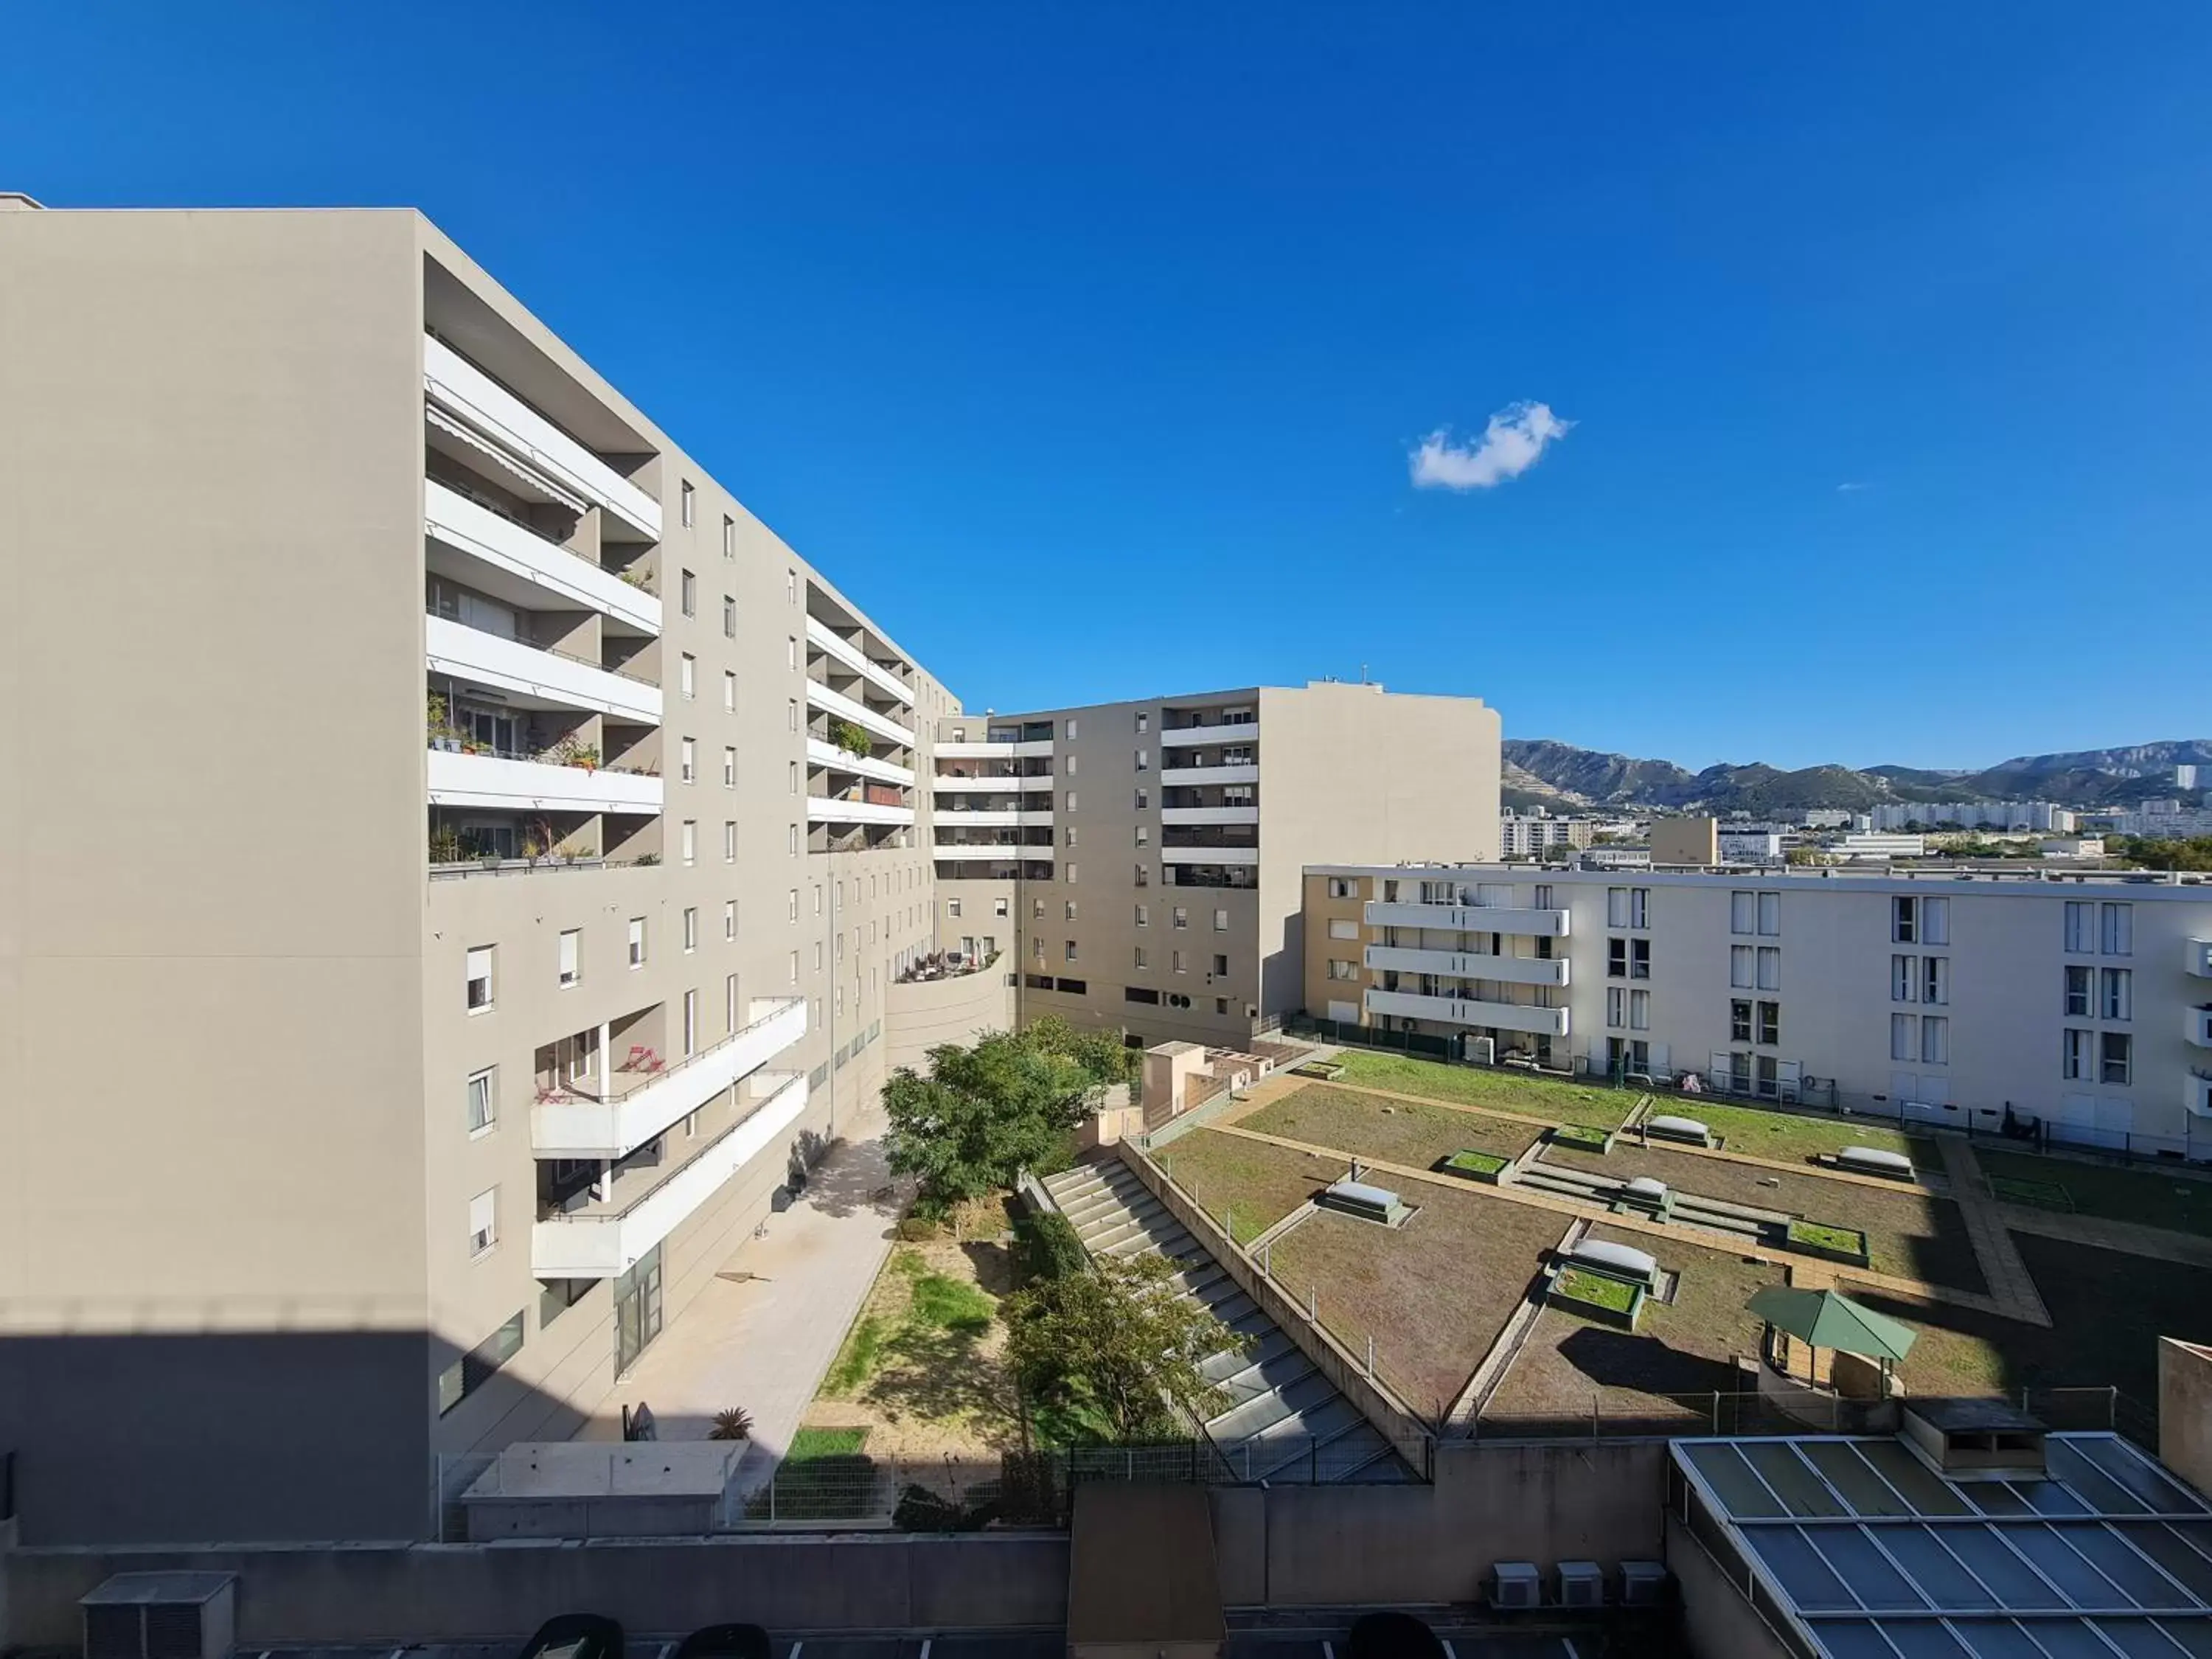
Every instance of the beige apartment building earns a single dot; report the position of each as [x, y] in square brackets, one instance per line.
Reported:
[2083, 1001]
[1141, 863]
[458, 862]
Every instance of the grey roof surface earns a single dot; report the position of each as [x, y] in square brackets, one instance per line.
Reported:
[1304, 1642]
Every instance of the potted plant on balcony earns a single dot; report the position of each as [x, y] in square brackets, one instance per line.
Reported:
[442, 733]
[638, 577]
[445, 846]
[849, 738]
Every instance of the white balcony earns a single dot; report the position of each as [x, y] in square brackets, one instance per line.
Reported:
[1246, 772]
[499, 784]
[1456, 965]
[509, 665]
[819, 753]
[1192, 737]
[1452, 1010]
[606, 1243]
[460, 388]
[1034, 748]
[1007, 852]
[1210, 814]
[819, 695]
[822, 809]
[992, 819]
[578, 1126]
[947, 783]
[1469, 918]
[2199, 960]
[833, 645]
[557, 579]
[1221, 855]
[2197, 1093]
[2200, 1026]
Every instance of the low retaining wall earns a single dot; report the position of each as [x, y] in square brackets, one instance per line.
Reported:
[920, 1014]
[399, 1594]
[1374, 1399]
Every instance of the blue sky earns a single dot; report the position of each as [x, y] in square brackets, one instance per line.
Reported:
[1872, 342]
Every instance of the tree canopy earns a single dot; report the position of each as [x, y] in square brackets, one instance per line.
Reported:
[2162, 854]
[1117, 1345]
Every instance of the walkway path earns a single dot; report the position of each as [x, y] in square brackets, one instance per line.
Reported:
[762, 1333]
[2010, 1280]
[2132, 1236]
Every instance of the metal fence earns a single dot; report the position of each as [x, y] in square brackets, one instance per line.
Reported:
[1621, 1413]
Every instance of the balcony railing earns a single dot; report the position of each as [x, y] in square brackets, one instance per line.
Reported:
[521, 666]
[830, 644]
[490, 533]
[627, 1107]
[885, 726]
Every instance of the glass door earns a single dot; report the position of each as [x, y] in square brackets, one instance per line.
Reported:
[637, 1309]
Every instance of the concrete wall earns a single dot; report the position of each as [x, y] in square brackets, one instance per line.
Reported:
[1685, 841]
[920, 1015]
[1716, 1615]
[477, 1593]
[2184, 1410]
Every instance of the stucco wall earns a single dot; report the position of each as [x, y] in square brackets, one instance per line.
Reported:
[919, 1017]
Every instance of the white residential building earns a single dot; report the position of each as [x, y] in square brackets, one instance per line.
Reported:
[1532, 836]
[2084, 1000]
[1976, 815]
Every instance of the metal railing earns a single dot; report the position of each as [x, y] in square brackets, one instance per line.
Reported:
[551, 754]
[610, 1097]
[498, 512]
[619, 1205]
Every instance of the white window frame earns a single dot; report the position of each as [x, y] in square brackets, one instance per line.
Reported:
[486, 1084]
[569, 963]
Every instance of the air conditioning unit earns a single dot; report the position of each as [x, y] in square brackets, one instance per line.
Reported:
[161, 1615]
[1642, 1583]
[1481, 1050]
[1513, 1584]
[1581, 1584]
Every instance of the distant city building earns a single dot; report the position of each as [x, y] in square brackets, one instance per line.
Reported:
[1750, 847]
[2184, 777]
[2073, 846]
[2038, 815]
[1616, 858]
[1828, 817]
[2172, 823]
[1873, 845]
[1532, 835]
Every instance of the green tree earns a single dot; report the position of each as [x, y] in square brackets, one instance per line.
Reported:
[1117, 1343]
[1103, 1055]
[2162, 854]
[981, 1115]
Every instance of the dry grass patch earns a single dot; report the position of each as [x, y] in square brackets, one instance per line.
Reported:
[1552, 1099]
[1256, 1185]
[1791, 1138]
[1434, 1294]
[1395, 1131]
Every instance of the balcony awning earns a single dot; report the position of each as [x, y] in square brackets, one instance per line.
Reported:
[532, 483]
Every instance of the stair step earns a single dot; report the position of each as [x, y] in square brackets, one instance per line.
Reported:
[1256, 1417]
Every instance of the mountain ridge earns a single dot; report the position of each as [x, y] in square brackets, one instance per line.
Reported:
[1544, 772]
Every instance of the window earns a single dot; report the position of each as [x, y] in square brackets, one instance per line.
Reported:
[790, 713]
[687, 760]
[1340, 969]
[637, 941]
[1070, 904]
[2118, 930]
[1071, 834]
[1069, 769]
[729, 617]
[1144, 916]
[793, 975]
[791, 778]
[1616, 1004]
[1904, 1037]
[1144, 760]
[1221, 921]
[818, 954]
[1220, 963]
[729, 536]
[1639, 1010]
[484, 1221]
[1639, 906]
[687, 676]
[1181, 917]
[952, 906]
[1935, 1041]
[1639, 958]
[483, 1100]
[1140, 994]
[791, 904]
[729, 691]
[1144, 800]
[1743, 912]
[691, 927]
[1071, 729]
[1770, 1024]
[1740, 967]
[691, 840]
[729, 767]
[479, 1365]
[1343, 887]
[479, 978]
[2074, 1052]
[1144, 722]
[1740, 1020]
[1769, 968]
[1340, 927]
[689, 589]
[691, 1022]
[790, 840]
[1904, 979]
[1070, 952]
[1036, 910]
[2079, 982]
[729, 919]
[2114, 1048]
[571, 958]
[1071, 800]
[1904, 920]
[1143, 877]
[1934, 921]
[1144, 835]
[2117, 997]
[1770, 914]
[999, 907]
[1071, 875]
[1936, 980]
[1221, 1005]
[790, 587]
[1616, 906]
[1179, 964]
[1140, 956]
[1616, 958]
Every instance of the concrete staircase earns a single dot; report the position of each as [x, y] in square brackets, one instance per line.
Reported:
[1284, 1422]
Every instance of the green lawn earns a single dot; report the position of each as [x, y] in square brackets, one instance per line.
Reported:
[1788, 1138]
[1476, 1162]
[1500, 1091]
[1395, 1131]
[809, 1443]
[2146, 1195]
[1257, 1183]
[1598, 1290]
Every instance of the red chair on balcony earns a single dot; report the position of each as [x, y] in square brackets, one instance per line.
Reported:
[639, 1054]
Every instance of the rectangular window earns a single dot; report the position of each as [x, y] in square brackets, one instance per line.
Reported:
[1904, 1037]
[730, 1002]
[691, 840]
[1904, 919]
[729, 841]
[1616, 906]
[1936, 980]
[729, 767]
[729, 617]
[793, 973]
[2082, 928]
[1144, 722]
[952, 906]
[1770, 1024]
[790, 587]
[1343, 887]
[690, 588]
[998, 907]
[484, 1221]
[1739, 1020]
[729, 692]
[1181, 917]
[2118, 929]
[1036, 910]
[791, 714]
[1935, 1041]
[1616, 958]
[2079, 990]
[1743, 912]
[687, 752]
[1179, 964]
[1770, 914]
[1639, 1010]
[1071, 834]
[483, 1100]
[2076, 1053]
[479, 1365]
[1070, 904]
[1740, 967]
[479, 978]
[1639, 906]
[2117, 997]
[1144, 760]
[691, 927]
[1143, 877]
[637, 941]
[1934, 921]
[691, 1022]
[1144, 800]
[2115, 1050]
[1069, 955]
[1071, 800]
[1140, 956]
[689, 505]
[1904, 979]
[1144, 916]
[1339, 928]
[687, 676]
[729, 536]
[1144, 835]
[571, 959]
[790, 840]
[1616, 1004]
[729, 919]
[1220, 963]
[1769, 968]
[1340, 969]
[1639, 958]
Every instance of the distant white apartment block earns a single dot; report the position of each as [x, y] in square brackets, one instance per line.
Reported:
[1532, 835]
[2082, 1000]
[2042, 815]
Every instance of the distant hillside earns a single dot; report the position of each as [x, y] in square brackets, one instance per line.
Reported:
[1542, 771]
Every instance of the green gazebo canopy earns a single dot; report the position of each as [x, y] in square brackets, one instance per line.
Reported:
[1827, 1320]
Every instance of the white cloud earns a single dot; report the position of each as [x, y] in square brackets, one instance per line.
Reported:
[1512, 442]
[1852, 488]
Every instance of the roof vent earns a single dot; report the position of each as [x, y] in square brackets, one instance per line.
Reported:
[1970, 1439]
[160, 1615]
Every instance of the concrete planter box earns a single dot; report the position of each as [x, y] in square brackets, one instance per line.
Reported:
[1327, 1070]
[1596, 1295]
[1793, 1238]
[1491, 1168]
[1581, 1138]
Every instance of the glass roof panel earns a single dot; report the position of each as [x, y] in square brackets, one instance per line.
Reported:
[1998, 1639]
[1922, 1638]
[2109, 1497]
[2082, 1583]
[1802, 1573]
[2136, 1473]
[1920, 1551]
[1852, 1475]
[2109, 1553]
[1732, 1482]
[2005, 1573]
[2138, 1638]
[1863, 1567]
[1926, 1490]
[2165, 1545]
[2194, 1635]
[1793, 1481]
[1853, 1638]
